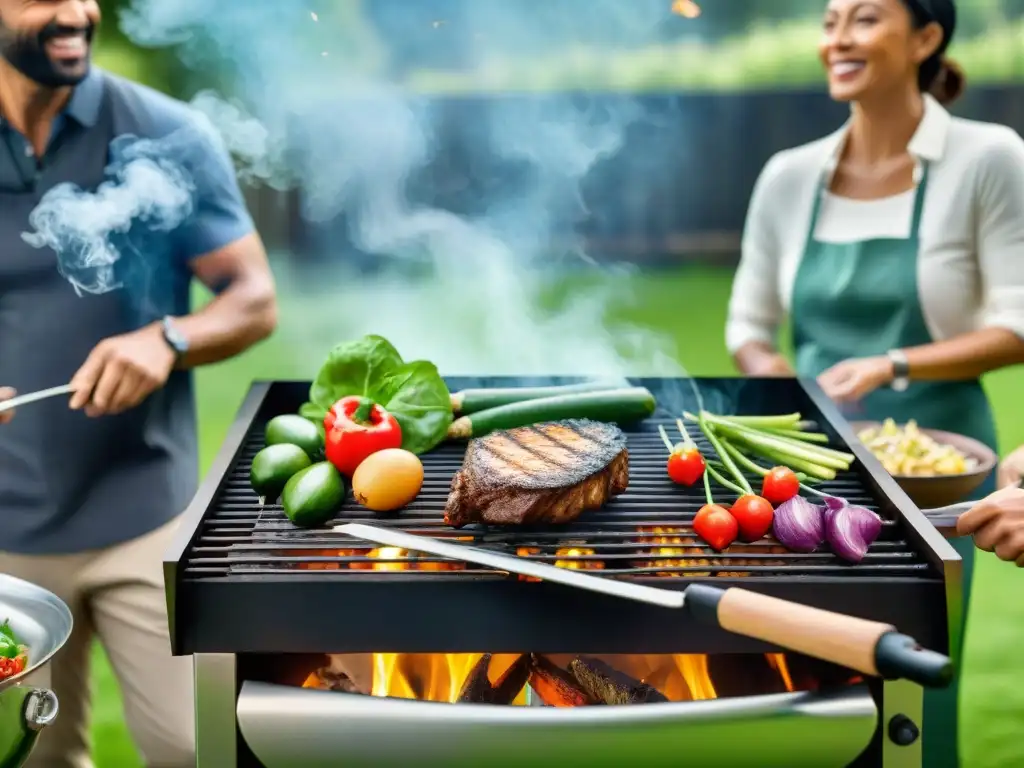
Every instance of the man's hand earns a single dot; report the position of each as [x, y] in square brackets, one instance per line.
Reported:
[6, 393]
[852, 380]
[1011, 469]
[122, 371]
[997, 524]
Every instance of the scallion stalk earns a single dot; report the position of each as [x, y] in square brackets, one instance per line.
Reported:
[742, 460]
[722, 481]
[787, 421]
[795, 463]
[796, 434]
[740, 478]
[815, 454]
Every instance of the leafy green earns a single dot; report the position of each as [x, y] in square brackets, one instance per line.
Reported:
[413, 392]
[5, 629]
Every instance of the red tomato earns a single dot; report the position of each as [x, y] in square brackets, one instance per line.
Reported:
[685, 465]
[780, 485]
[716, 525]
[754, 516]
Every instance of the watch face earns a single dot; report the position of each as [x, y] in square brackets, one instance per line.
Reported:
[177, 342]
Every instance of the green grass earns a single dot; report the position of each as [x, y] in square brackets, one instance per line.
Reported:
[688, 304]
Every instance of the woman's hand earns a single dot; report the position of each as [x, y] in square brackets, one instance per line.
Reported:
[852, 380]
[1011, 469]
[6, 393]
[772, 366]
[997, 524]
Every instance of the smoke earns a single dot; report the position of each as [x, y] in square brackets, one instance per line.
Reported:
[317, 100]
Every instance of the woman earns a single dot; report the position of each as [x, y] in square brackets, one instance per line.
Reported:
[895, 245]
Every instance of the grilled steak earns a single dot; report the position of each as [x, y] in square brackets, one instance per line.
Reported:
[545, 473]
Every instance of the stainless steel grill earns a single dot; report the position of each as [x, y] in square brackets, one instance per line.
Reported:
[242, 581]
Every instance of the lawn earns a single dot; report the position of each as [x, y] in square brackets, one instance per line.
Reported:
[689, 306]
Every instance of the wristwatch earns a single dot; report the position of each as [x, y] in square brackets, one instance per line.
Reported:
[900, 370]
[174, 337]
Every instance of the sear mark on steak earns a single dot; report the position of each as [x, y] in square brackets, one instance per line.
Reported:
[545, 473]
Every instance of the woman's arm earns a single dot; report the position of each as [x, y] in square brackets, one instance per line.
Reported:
[755, 308]
[1000, 214]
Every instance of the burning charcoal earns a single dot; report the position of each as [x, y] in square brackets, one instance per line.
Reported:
[478, 688]
[744, 674]
[327, 679]
[810, 674]
[604, 684]
[556, 687]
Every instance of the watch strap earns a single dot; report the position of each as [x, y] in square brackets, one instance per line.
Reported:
[174, 337]
[900, 369]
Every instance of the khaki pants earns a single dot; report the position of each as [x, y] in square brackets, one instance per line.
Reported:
[116, 594]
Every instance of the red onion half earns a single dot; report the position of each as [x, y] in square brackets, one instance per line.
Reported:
[850, 530]
[799, 525]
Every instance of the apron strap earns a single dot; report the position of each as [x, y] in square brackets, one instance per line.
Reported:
[915, 222]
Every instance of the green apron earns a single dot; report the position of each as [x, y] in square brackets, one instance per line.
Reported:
[861, 299]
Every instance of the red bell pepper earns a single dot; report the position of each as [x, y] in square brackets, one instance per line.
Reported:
[354, 428]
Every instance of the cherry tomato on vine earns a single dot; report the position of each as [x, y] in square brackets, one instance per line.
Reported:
[779, 485]
[716, 525]
[685, 465]
[754, 516]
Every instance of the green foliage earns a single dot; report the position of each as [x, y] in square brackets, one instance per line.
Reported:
[766, 57]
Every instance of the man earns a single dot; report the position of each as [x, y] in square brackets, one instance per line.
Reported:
[997, 521]
[89, 493]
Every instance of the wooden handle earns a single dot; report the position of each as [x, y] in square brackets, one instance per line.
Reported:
[836, 637]
[867, 646]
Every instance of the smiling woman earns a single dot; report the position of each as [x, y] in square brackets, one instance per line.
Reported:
[840, 231]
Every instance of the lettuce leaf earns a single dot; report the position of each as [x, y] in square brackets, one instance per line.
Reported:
[413, 392]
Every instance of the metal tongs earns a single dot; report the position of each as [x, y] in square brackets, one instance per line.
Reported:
[870, 647]
[33, 397]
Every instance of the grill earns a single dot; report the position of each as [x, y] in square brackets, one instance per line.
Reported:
[242, 582]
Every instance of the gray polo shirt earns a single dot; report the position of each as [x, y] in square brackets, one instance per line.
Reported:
[69, 483]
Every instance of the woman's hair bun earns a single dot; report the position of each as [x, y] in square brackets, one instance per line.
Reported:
[950, 83]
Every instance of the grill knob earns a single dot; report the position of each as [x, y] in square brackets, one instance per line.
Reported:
[903, 731]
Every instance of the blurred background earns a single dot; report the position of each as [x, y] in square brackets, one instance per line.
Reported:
[683, 103]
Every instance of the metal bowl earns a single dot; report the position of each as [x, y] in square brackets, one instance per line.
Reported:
[43, 623]
[929, 491]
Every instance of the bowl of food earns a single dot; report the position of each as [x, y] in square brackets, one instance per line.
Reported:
[933, 467]
[34, 625]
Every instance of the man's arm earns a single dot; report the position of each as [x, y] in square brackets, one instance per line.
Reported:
[220, 247]
[242, 314]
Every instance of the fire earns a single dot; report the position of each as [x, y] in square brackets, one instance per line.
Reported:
[440, 677]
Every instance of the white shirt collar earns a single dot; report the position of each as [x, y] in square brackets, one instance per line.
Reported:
[928, 142]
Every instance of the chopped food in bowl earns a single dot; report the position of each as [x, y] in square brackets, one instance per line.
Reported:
[909, 451]
[13, 653]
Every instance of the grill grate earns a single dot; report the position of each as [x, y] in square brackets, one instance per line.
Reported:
[645, 532]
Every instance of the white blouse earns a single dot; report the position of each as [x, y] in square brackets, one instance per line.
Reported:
[971, 265]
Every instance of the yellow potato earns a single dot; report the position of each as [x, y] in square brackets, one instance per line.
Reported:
[387, 480]
[907, 450]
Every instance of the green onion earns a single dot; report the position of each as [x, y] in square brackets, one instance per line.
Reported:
[722, 481]
[796, 434]
[740, 478]
[742, 460]
[686, 435]
[664, 439]
[814, 454]
[788, 421]
[795, 463]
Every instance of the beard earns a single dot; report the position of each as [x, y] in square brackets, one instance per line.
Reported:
[27, 54]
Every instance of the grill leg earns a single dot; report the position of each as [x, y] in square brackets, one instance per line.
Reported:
[216, 728]
[902, 701]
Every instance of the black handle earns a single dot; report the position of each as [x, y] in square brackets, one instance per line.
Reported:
[900, 656]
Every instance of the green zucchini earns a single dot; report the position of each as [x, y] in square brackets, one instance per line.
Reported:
[313, 495]
[273, 467]
[612, 405]
[474, 400]
[297, 431]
